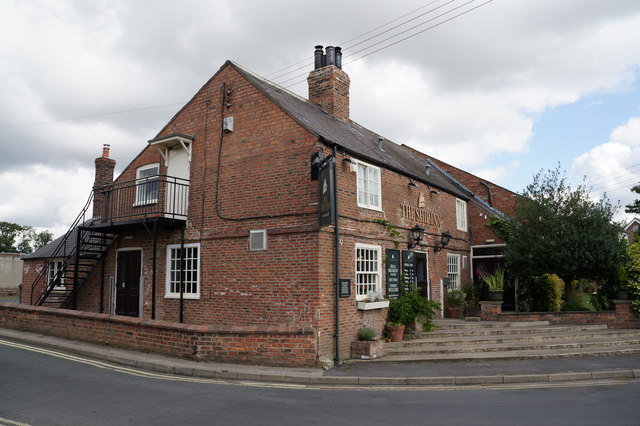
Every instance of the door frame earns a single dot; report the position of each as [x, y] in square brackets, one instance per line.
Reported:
[140, 284]
[426, 271]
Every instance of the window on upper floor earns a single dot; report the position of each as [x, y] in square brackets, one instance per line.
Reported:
[147, 184]
[368, 270]
[369, 186]
[187, 262]
[461, 214]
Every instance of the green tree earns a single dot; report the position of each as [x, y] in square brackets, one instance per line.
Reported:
[635, 206]
[16, 238]
[8, 234]
[560, 230]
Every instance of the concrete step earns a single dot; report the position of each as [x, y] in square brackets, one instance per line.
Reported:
[504, 331]
[455, 324]
[517, 346]
[552, 334]
[511, 355]
[486, 340]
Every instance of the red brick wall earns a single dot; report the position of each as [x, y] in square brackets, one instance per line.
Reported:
[622, 316]
[278, 346]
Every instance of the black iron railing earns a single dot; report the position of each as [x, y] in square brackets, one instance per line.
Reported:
[148, 197]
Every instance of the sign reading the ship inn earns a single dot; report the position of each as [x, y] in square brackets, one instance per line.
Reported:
[420, 214]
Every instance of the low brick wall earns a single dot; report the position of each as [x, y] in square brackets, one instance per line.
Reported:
[622, 316]
[264, 345]
[9, 292]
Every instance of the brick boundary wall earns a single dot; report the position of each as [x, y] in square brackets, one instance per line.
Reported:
[6, 292]
[622, 316]
[264, 345]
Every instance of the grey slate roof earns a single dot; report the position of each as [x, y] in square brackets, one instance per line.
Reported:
[351, 137]
[48, 250]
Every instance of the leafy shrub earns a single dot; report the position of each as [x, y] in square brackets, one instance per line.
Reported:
[455, 299]
[542, 294]
[366, 334]
[495, 281]
[410, 306]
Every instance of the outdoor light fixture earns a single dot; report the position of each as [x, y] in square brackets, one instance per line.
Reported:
[444, 240]
[417, 233]
[413, 184]
[349, 160]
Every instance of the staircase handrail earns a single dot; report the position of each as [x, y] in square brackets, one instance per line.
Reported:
[48, 287]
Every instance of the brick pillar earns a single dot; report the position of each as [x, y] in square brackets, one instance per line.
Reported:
[490, 310]
[625, 316]
[104, 176]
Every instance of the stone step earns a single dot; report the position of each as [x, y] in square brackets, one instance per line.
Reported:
[453, 324]
[568, 343]
[560, 333]
[513, 355]
[512, 330]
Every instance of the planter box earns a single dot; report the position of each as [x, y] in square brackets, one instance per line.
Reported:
[368, 350]
[365, 306]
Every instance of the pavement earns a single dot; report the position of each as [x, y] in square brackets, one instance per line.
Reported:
[359, 373]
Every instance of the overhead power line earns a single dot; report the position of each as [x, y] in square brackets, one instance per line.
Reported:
[437, 24]
[373, 46]
[104, 114]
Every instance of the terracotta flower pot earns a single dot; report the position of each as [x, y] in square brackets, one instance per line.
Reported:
[396, 331]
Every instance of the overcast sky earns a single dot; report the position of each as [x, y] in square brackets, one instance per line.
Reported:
[503, 90]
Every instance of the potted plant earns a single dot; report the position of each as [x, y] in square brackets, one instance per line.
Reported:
[399, 315]
[368, 345]
[495, 284]
[374, 300]
[455, 303]
[406, 310]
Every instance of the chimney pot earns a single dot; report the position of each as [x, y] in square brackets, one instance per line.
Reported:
[338, 60]
[318, 56]
[105, 150]
[331, 55]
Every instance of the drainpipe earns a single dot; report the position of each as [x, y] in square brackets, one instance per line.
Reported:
[336, 244]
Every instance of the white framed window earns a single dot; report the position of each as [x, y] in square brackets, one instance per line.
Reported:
[147, 181]
[368, 269]
[453, 271]
[461, 214]
[258, 240]
[191, 269]
[369, 186]
[54, 268]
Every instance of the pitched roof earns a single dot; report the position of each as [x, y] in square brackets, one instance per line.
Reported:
[48, 250]
[351, 137]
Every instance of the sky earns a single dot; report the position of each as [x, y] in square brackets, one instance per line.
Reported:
[502, 88]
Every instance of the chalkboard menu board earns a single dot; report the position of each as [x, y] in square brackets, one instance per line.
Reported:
[345, 287]
[409, 269]
[393, 273]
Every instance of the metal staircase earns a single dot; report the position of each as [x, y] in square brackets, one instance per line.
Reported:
[71, 262]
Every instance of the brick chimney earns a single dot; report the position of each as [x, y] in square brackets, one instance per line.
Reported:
[328, 84]
[104, 177]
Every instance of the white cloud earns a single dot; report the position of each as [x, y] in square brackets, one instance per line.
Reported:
[467, 92]
[45, 197]
[613, 167]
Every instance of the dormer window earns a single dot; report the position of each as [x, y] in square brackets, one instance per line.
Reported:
[147, 184]
[369, 186]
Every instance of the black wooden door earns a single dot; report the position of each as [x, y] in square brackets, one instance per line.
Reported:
[422, 281]
[128, 283]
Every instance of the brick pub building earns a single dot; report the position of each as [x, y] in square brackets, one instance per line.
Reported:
[255, 223]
